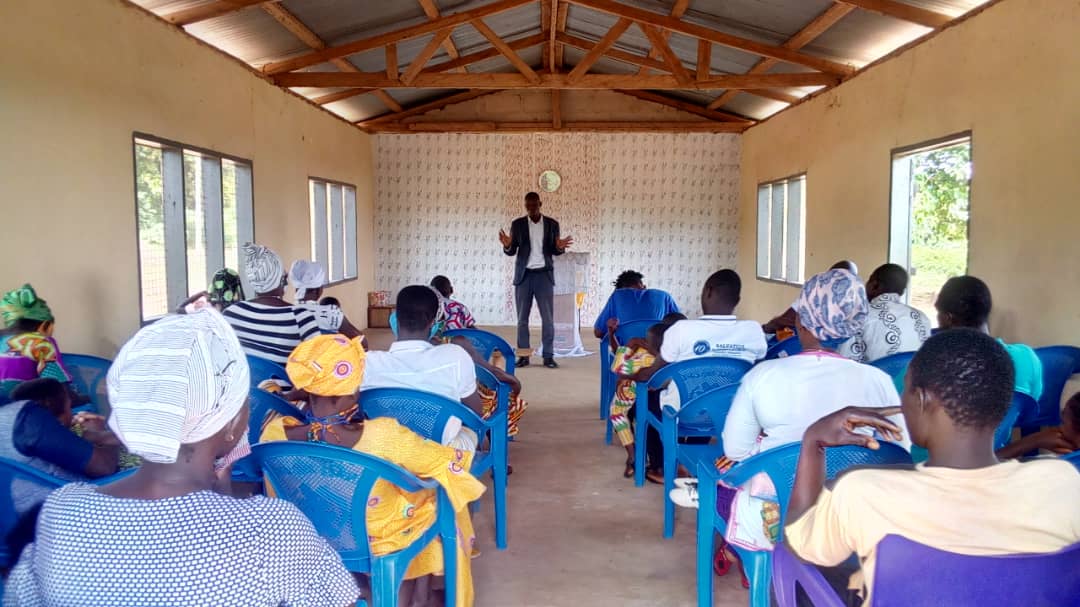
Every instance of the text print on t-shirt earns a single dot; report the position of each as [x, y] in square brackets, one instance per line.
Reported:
[703, 347]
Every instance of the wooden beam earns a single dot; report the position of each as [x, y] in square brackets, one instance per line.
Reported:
[398, 35]
[685, 106]
[597, 51]
[613, 53]
[388, 101]
[590, 127]
[548, 50]
[425, 55]
[556, 109]
[208, 11]
[553, 81]
[704, 59]
[678, 10]
[672, 60]
[904, 12]
[429, 106]
[338, 96]
[817, 26]
[485, 54]
[391, 61]
[552, 26]
[697, 31]
[505, 49]
[560, 27]
[432, 12]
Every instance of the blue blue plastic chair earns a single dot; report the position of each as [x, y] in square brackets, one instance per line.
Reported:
[88, 375]
[701, 416]
[895, 364]
[1021, 403]
[691, 378]
[261, 402]
[427, 415]
[1059, 364]
[486, 343]
[332, 485]
[12, 471]
[1073, 458]
[262, 370]
[782, 349]
[624, 333]
[779, 463]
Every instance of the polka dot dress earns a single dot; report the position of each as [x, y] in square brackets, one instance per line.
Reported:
[198, 549]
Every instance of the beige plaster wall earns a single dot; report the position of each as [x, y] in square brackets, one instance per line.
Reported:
[576, 106]
[1009, 76]
[79, 79]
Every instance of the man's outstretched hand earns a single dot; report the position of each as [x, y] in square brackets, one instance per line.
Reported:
[504, 238]
[564, 243]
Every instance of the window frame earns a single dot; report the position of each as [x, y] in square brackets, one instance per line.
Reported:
[312, 179]
[141, 138]
[803, 176]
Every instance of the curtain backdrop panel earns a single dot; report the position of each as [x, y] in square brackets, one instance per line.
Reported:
[663, 204]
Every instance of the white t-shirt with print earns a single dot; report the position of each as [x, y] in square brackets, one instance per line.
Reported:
[328, 317]
[710, 335]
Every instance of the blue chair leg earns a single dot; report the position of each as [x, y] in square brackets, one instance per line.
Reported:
[640, 434]
[671, 443]
[386, 581]
[706, 530]
[759, 571]
[609, 433]
[500, 492]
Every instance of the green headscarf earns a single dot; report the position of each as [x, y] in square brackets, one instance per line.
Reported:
[225, 288]
[24, 303]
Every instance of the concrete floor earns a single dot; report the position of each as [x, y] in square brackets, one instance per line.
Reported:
[579, 533]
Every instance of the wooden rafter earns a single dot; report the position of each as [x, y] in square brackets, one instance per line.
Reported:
[613, 53]
[431, 9]
[548, 32]
[677, 11]
[381, 40]
[338, 96]
[556, 109]
[551, 26]
[590, 127]
[697, 31]
[208, 11]
[554, 81]
[686, 106]
[905, 12]
[390, 52]
[805, 36]
[427, 106]
[560, 27]
[597, 51]
[505, 49]
[425, 55]
[290, 22]
[674, 64]
[483, 55]
[704, 59]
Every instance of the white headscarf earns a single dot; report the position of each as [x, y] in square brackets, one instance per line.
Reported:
[263, 268]
[177, 381]
[306, 275]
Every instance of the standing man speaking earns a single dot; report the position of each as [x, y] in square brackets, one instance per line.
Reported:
[534, 239]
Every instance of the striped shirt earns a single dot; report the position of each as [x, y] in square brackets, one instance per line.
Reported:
[271, 332]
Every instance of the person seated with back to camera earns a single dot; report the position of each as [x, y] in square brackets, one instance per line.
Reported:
[27, 348]
[784, 325]
[308, 278]
[632, 300]
[1058, 440]
[962, 499]
[458, 315]
[891, 326]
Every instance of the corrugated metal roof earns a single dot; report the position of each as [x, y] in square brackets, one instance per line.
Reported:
[255, 37]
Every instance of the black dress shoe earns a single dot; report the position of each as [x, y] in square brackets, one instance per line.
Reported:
[522, 361]
[550, 363]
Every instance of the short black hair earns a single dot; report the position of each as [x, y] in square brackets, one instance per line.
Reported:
[329, 301]
[892, 278]
[532, 196]
[970, 372]
[727, 284]
[45, 391]
[417, 306]
[673, 318]
[628, 279]
[441, 284]
[967, 299]
[1072, 410]
[845, 264]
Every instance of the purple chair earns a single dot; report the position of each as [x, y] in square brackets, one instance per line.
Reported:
[909, 574]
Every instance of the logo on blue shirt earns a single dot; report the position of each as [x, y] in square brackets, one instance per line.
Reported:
[701, 348]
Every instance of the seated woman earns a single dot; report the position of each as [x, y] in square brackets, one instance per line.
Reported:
[169, 534]
[308, 278]
[962, 499]
[631, 301]
[330, 369]
[268, 326]
[778, 399]
[27, 348]
[225, 289]
[458, 315]
[1058, 440]
[783, 326]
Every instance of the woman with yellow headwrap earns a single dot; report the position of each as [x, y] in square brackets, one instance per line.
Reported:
[330, 368]
[27, 349]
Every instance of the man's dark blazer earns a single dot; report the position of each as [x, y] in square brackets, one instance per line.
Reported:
[521, 246]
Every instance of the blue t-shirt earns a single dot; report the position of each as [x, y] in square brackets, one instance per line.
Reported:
[636, 304]
[37, 433]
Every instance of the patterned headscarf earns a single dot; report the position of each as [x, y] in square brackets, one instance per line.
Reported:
[225, 288]
[23, 303]
[263, 268]
[176, 382]
[833, 305]
[306, 275]
[327, 365]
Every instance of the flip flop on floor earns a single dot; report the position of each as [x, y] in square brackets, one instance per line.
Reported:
[655, 476]
[629, 471]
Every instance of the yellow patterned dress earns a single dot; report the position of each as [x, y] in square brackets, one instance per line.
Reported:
[395, 517]
[627, 362]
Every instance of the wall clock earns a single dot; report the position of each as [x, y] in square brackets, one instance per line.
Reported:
[550, 181]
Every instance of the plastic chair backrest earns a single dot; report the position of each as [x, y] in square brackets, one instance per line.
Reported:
[422, 412]
[780, 464]
[697, 376]
[262, 370]
[788, 347]
[331, 486]
[1073, 458]
[709, 409]
[262, 403]
[17, 477]
[631, 329]
[486, 343]
[88, 375]
[1059, 364]
[1021, 403]
[894, 364]
[913, 575]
